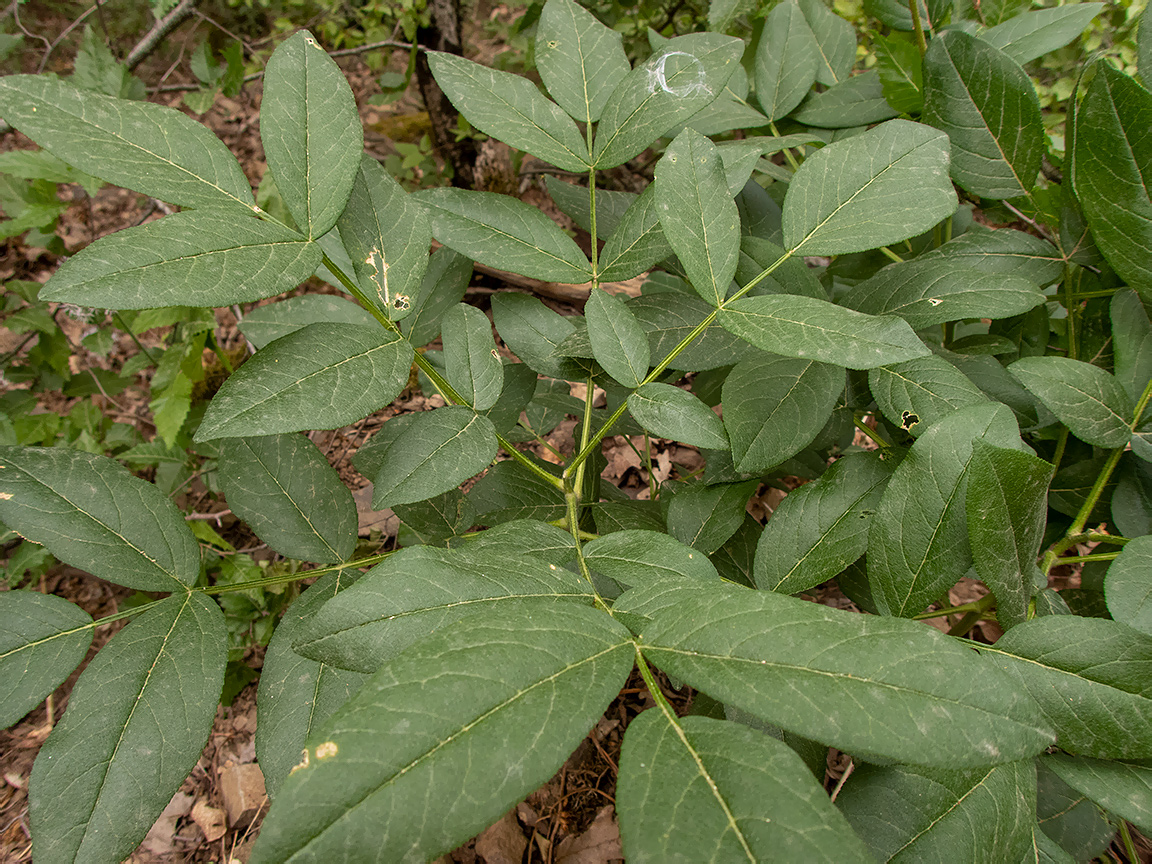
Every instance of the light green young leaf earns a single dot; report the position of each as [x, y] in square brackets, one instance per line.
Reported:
[91, 513]
[1132, 342]
[893, 689]
[696, 789]
[1128, 585]
[918, 542]
[787, 60]
[44, 638]
[375, 779]
[135, 725]
[901, 73]
[854, 194]
[293, 500]
[807, 328]
[855, 101]
[679, 79]
[42, 165]
[835, 42]
[635, 557]
[905, 814]
[1007, 510]
[441, 450]
[638, 241]
[822, 527]
[503, 232]
[387, 237]
[1087, 399]
[296, 694]
[311, 132]
[443, 286]
[669, 412]
[473, 365]
[579, 59]
[1092, 679]
[1033, 34]
[268, 323]
[511, 108]
[155, 150]
[704, 516]
[1122, 789]
[322, 376]
[204, 257]
[774, 406]
[698, 215]
[618, 341]
[917, 393]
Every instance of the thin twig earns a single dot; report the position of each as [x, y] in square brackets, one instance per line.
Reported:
[25, 30]
[843, 779]
[64, 35]
[159, 30]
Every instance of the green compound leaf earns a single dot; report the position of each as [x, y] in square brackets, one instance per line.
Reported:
[901, 73]
[440, 450]
[268, 323]
[44, 638]
[443, 286]
[1128, 585]
[286, 491]
[1002, 251]
[835, 42]
[636, 557]
[894, 689]
[989, 108]
[1132, 342]
[91, 513]
[579, 59]
[322, 376]
[503, 232]
[511, 108]
[152, 149]
[1087, 399]
[787, 61]
[855, 101]
[1122, 789]
[810, 329]
[618, 341]
[422, 589]
[135, 725]
[679, 79]
[377, 778]
[1091, 678]
[704, 516]
[855, 194]
[1033, 34]
[311, 132]
[296, 694]
[917, 393]
[911, 814]
[472, 364]
[675, 414]
[749, 796]
[206, 258]
[638, 241]
[822, 527]
[775, 406]
[670, 317]
[698, 215]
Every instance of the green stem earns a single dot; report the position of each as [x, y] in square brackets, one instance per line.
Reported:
[592, 225]
[1070, 308]
[949, 333]
[139, 344]
[971, 618]
[871, 433]
[1061, 444]
[918, 27]
[891, 254]
[792, 163]
[1084, 559]
[1126, 839]
[284, 579]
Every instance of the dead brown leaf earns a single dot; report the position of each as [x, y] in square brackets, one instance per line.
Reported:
[598, 845]
[504, 842]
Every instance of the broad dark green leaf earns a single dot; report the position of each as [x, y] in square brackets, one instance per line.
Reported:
[323, 376]
[775, 406]
[296, 694]
[894, 689]
[150, 148]
[931, 291]
[618, 341]
[311, 132]
[1111, 157]
[855, 101]
[509, 491]
[206, 258]
[811, 329]
[387, 237]
[473, 364]
[532, 331]
[1128, 585]
[443, 286]
[579, 59]
[574, 201]
[1122, 789]
[822, 527]
[519, 386]
[1092, 679]
[901, 73]
[286, 491]
[1087, 399]
[1044, 850]
[793, 276]
[422, 589]
[835, 41]
[983, 816]
[511, 108]
[44, 638]
[1007, 509]
[787, 60]
[918, 393]
[989, 108]
[695, 789]
[549, 543]
[1002, 251]
[265, 324]
[642, 557]
[669, 412]
[1132, 342]
[855, 194]
[440, 450]
[670, 317]
[91, 513]
[675, 82]
[1144, 48]
[387, 770]
[698, 215]
[504, 232]
[638, 241]
[1077, 828]
[704, 516]
[918, 541]
[1132, 499]
[136, 722]
[436, 520]
[1034, 33]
